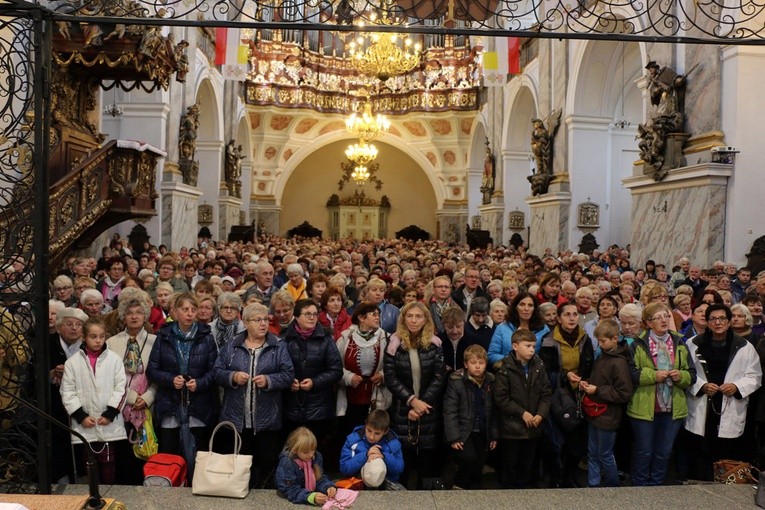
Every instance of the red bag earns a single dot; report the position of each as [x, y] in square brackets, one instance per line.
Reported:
[591, 408]
[164, 470]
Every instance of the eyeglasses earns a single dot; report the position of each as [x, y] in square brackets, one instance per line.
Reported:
[72, 324]
[310, 315]
[663, 317]
[718, 320]
[229, 308]
[258, 319]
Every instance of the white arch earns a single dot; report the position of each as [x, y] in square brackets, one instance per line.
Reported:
[284, 172]
[204, 76]
[514, 91]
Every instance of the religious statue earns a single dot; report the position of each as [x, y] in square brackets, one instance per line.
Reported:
[666, 89]
[489, 173]
[233, 169]
[542, 140]
[187, 145]
[181, 61]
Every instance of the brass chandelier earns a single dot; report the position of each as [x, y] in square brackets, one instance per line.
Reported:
[367, 126]
[383, 54]
[360, 174]
[361, 153]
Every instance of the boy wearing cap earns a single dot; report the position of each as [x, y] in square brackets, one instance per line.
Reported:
[373, 452]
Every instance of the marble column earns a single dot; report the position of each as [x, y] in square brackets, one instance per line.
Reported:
[452, 220]
[228, 214]
[549, 221]
[266, 215]
[492, 219]
[681, 216]
[179, 215]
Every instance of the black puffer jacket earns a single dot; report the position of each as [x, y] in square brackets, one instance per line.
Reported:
[318, 359]
[398, 377]
[514, 394]
[459, 407]
[163, 368]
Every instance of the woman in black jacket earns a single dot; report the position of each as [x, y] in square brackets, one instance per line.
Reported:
[414, 373]
[311, 399]
[181, 364]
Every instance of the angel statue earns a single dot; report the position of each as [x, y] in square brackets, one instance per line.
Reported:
[542, 140]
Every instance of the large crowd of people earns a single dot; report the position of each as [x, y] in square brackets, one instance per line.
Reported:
[476, 357]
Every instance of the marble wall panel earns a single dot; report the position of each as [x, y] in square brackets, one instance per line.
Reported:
[703, 103]
[549, 226]
[179, 215]
[670, 224]
[228, 215]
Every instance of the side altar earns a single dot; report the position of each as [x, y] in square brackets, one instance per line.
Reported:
[358, 216]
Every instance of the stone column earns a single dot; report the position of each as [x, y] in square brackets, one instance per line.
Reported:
[681, 216]
[228, 214]
[549, 221]
[180, 203]
[452, 220]
[474, 176]
[492, 219]
[266, 214]
[210, 156]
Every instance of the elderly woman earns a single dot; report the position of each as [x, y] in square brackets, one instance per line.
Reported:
[728, 372]
[208, 310]
[415, 375]
[63, 290]
[92, 303]
[160, 312]
[227, 325]
[682, 312]
[296, 284]
[549, 313]
[134, 346]
[494, 289]
[361, 350]
[497, 313]
[333, 316]
[631, 322]
[316, 286]
[374, 292]
[318, 367]
[698, 321]
[523, 314]
[53, 308]
[658, 406]
[607, 309]
[282, 312]
[254, 369]
[741, 323]
[181, 365]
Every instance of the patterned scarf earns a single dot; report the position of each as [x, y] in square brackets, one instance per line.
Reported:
[183, 343]
[662, 351]
[132, 361]
[225, 333]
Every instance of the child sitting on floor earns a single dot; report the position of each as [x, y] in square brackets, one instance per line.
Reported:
[299, 476]
[373, 452]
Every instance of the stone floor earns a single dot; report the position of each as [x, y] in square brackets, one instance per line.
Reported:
[678, 497]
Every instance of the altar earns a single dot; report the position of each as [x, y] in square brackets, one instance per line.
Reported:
[358, 217]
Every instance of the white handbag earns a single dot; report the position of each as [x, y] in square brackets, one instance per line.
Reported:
[225, 475]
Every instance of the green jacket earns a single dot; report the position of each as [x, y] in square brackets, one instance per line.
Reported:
[643, 401]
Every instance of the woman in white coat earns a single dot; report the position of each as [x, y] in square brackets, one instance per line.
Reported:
[92, 390]
[133, 346]
[728, 371]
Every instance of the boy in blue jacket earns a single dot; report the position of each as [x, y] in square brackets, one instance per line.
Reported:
[372, 451]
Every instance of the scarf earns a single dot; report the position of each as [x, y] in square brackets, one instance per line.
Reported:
[111, 289]
[570, 337]
[132, 361]
[304, 333]
[183, 343]
[225, 333]
[662, 350]
[308, 474]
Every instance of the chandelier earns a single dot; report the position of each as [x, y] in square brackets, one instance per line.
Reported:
[361, 153]
[360, 175]
[366, 126]
[383, 55]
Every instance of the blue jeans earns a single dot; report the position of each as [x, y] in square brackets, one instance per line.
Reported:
[600, 457]
[653, 446]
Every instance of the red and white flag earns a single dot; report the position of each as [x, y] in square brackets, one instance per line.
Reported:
[504, 60]
[231, 54]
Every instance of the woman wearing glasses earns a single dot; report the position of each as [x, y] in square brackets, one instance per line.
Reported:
[227, 325]
[728, 372]
[253, 369]
[658, 406]
[311, 399]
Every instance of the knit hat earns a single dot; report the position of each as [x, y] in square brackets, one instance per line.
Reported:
[228, 279]
[373, 473]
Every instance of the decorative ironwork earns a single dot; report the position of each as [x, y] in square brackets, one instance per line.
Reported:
[654, 21]
[348, 175]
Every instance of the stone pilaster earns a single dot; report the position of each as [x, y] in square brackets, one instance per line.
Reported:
[180, 204]
[228, 214]
[549, 221]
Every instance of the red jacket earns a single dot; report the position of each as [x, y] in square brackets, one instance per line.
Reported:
[342, 323]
